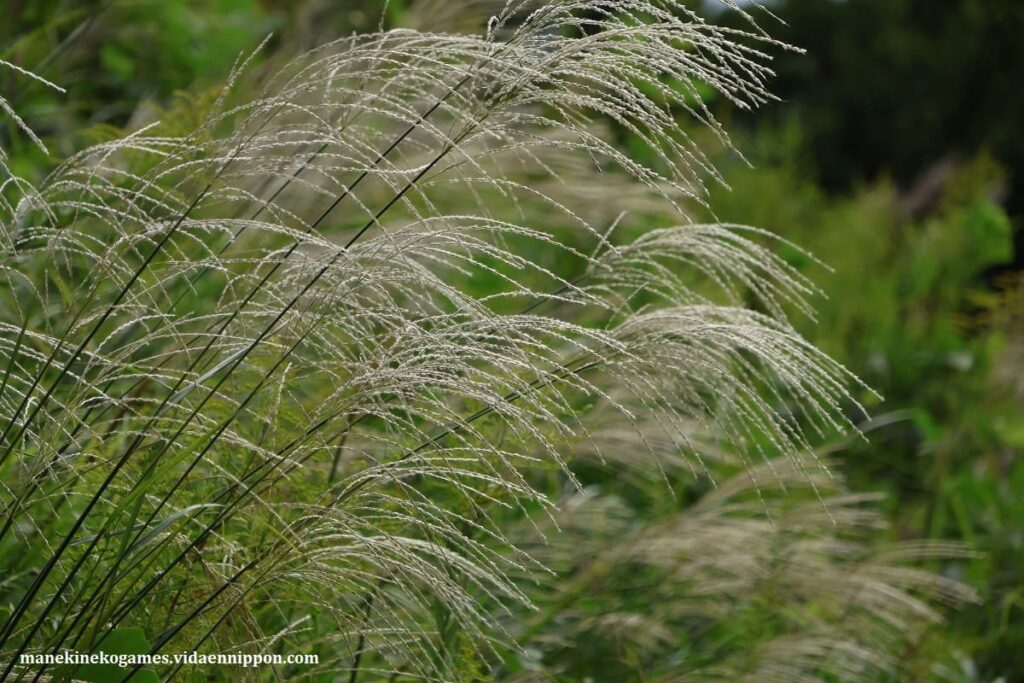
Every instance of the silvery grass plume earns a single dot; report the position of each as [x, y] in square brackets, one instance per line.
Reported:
[278, 382]
[720, 591]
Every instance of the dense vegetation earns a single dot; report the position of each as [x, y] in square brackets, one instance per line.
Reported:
[894, 159]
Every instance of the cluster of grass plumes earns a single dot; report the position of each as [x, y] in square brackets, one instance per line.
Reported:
[748, 582]
[283, 380]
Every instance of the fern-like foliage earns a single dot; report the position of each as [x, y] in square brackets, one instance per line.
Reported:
[285, 379]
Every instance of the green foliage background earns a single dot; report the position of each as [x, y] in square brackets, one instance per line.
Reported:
[896, 158]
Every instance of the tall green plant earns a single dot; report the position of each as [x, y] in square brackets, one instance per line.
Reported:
[286, 379]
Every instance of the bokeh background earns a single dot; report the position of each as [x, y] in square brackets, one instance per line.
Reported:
[895, 154]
